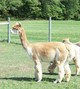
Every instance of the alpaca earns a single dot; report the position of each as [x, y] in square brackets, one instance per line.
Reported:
[77, 43]
[50, 51]
[74, 52]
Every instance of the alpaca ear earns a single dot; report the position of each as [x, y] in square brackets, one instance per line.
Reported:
[18, 24]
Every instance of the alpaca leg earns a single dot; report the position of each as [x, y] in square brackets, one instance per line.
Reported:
[77, 67]
[61, 73]
[67, 72]
[38, 71]
[77, 63]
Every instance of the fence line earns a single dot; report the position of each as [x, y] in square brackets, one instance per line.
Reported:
[7, 23]
[49, 32]
[41, 31]
[8, 27]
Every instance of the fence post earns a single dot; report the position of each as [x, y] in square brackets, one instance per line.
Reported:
[8, 29]
[49, 34]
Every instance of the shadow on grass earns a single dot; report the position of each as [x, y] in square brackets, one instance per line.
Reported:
[28, 79]
[75, 75]
[50, 73]
[3, 41]
[17, 78]
[25, 79]
[15, 43]
[57, 74]
[71, 64]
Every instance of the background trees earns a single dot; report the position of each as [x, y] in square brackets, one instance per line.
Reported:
[71, 9]
[8, 7]
[57, 9]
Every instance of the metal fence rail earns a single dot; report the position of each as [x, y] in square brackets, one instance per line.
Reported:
[8, 26]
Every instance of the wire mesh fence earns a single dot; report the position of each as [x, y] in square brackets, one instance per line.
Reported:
[38, 30]
[3, 33]
[7, 32]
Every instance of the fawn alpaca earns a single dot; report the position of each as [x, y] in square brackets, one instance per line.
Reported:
[74, 52]
[52, 51]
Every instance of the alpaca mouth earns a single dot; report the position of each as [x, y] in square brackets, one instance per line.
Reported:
[14, 31]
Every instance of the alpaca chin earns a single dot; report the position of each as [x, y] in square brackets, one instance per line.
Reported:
[14, 31]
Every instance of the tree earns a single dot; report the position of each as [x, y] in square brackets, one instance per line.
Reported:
[77, 15]
[57, 9]
[71, 8]
[8, 7]
[3, 8]
[32, 8]
[13, 7]
[51, 8]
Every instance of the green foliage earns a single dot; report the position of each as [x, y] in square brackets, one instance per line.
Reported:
[51, 8]
[57, 9]
[31, 8]
[71, 8]
[9, 5]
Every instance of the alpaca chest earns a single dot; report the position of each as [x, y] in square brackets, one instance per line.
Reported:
[29, 51]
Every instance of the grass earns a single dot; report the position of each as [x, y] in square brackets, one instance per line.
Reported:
[17, 69]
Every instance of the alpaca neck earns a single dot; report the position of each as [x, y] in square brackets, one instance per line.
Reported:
[23, 38]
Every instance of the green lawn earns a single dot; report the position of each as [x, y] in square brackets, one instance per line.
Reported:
[17, 69]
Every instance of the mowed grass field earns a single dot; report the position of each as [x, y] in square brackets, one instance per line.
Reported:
[17, 68]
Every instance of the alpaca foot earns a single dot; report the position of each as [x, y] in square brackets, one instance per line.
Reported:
[39, 81]
[57, 81]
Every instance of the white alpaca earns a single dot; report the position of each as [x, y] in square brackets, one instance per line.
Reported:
[74, 53]
[74, 50]
[52, 51]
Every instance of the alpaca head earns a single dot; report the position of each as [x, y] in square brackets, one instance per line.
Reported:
[66, 40]
[16, 28]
